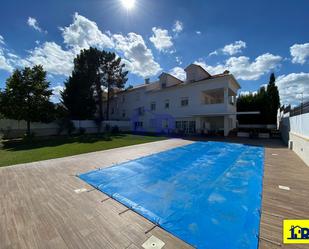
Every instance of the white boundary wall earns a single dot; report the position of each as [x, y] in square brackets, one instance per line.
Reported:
[299, 136]
[295, 133]
[14, 128]
[300, 124]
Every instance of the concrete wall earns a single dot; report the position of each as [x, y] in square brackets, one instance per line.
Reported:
[300, 124]
[299, 136]
[13, 128]
[300, 145]
[295, 133]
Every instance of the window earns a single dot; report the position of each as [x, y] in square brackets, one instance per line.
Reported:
[167, 104]
[181, 125]
[138, 124]
[163, 85]
[231, 97]
[178, 124]
[140, 111]
[185, 126]
[184, 101]
[191, 126]
[153, 106]
[113, 111]
[123, 113]
[165, 123]
[232, 100]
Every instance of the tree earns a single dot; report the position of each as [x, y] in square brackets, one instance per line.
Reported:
[93, 71]
[1, 112]
[266, 101]
[112, 75]
[27, 96]
[78, 94]
[273, 99]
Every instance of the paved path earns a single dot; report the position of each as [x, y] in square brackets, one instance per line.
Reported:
[40, 209]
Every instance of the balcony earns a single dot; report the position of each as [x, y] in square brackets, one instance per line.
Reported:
[211, 97]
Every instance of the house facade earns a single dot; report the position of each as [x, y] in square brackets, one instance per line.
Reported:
[202, 103]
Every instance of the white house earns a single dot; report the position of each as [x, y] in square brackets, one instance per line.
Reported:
[203, 103]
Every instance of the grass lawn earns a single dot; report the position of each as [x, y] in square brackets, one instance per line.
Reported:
[21, 151]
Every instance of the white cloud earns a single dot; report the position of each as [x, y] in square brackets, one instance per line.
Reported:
[4, 61]
[299, 53]
[245, 93]
[2, 40]
[213, 53]
[56, 93]
[234, 48]
[52, 57]
[242, 68]
[138, 58]
[198, 32]
[83, 33]
[293, 88]
[230, 49]
[178, 60]
[178, 26]
[178, 72]
[161, 39]
[32, 22]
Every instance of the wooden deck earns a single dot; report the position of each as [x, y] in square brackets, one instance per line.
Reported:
[39, 207]
[282, 167]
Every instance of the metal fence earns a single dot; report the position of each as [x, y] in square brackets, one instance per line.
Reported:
[301, 109]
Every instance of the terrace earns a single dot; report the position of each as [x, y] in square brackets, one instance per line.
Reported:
[45, 205]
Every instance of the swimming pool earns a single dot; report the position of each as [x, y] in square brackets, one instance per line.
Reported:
[206, 193]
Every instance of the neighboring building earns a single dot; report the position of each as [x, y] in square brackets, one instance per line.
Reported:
[203, 103]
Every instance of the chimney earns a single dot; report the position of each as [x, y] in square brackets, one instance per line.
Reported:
[147, 81]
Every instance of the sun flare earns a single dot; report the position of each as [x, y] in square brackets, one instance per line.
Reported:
[128, 4]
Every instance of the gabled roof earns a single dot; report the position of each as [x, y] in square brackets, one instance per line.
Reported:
[198, 66]
[169, 75]
[209, 76]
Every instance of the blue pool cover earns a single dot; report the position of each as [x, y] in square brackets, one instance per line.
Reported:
[206, 193]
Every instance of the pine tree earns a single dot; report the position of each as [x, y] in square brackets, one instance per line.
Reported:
[273, 98]
[93, 71]
[78, 94]
[112, 75]
[266, 101]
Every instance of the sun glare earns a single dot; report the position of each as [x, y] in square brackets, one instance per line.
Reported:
[128, 4]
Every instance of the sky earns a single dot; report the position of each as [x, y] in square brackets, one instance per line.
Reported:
[251, 39]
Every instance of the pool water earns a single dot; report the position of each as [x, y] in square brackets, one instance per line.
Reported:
[206, 193]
